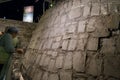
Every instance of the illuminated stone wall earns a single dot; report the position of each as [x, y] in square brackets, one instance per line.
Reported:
[76, 40]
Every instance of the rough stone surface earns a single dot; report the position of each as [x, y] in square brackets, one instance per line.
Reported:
[53, 77]
[65, 44]
[68, 61]
[75, 12]
[72, 45]
[92, 44]
[94, 64]
[81, 44]
[65, 75]
[76, 40]
[81, 26]
[79, 61]
[59, 61]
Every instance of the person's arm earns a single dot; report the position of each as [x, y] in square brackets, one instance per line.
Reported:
[8, 44]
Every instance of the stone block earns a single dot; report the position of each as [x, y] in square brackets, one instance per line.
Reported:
[111, 66]
[65, 45]
[83, 36]
[118, 44]
[104, 9]
[108, 47]
[72, 45]
[38, 59]
[70, 36]
[81, 44]
[59, 61]
[68, 61]
[58, 38]
[45, 76]
[90, 25]
[81, 26]
[86, 11]
[92, 44]
[51, 66]
[75, 13]
[46, 61]
[94, 64]
[112, 21]
[57, 20]
[79, 61]
[63, 18]
[42, 59]
[95, 9]
[100, 29]
[54, 54]
[71, 28]
[38, 75]
[55, 45]
[49, 44]
[76, 3]
[64, 75]
[53, 77]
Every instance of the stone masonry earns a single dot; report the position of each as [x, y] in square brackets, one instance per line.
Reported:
[76, 40]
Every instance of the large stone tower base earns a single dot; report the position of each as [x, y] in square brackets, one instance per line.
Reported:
[76, 40]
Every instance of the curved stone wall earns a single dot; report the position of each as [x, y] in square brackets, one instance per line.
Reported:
[76, 40]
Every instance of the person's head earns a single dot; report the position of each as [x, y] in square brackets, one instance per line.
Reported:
[13, 31]
[1, 33]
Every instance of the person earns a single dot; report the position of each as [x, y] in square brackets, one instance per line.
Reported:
[7, 46]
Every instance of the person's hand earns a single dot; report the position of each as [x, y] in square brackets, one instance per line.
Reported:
[20, 51]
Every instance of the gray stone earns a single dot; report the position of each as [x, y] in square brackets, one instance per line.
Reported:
[79, 61]
[111, 66]
[95, 9]
[118, 44]
[45, 76]
[74, 13]
[101, 29]
[49, 43]
[92, 44]
[112, 79]
[51, 66]
[91, 78]
[94, 64]
[71, 28]
[68, 61]
[63, 18]
[46, 61]
[90, 25]
[38, 59]
[86, 11]
[104, 9]
[38, 75]
[58, 38]
[55, 45]
[83, 36]
[72, 45]
[81, 26]
[65, 44]
[76, 3]
[65, 75]
[81, 44]
[112, 21]
[53, 77]
[42, 59]
[54, 54]
[59, 61]
[108, 47]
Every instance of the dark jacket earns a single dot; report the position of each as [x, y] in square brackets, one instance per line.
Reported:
[6, 42]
